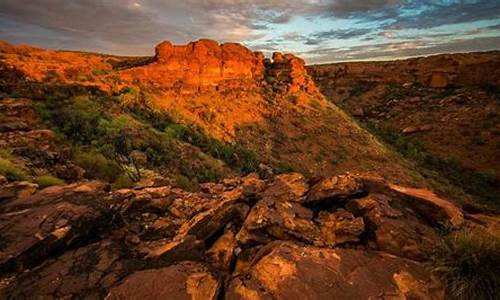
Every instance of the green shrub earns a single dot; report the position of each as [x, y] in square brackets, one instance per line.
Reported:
[123, 182]
[242, 159]
[11, 171]
[4, 153]
[282, 168]
[78, 120]
[469, 265]
[97, 166]
[247, 161]
[100, 72]
[185, 183]
[48, 180]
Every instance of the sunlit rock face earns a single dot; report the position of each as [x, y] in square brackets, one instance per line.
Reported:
[206, 64]
[200, 65]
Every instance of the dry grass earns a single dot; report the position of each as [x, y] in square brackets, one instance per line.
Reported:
[468, 264]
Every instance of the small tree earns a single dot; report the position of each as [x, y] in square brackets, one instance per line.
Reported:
[128, 159]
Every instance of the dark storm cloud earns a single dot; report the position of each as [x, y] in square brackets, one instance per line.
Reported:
[134, 26]
[436, 13]
[341, 34]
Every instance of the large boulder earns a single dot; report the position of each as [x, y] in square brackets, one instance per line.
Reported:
[437, 210]
[288, 187]
[49, 221]
[272, 219]
[335, 188]
[84, 272]
[289, 271]
[185, 280]
[394, 228]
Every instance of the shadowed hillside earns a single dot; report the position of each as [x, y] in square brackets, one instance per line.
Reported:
[442, 112]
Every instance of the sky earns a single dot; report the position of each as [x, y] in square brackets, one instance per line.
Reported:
[319, 31]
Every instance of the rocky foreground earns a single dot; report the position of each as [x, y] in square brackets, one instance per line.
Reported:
[256, 237]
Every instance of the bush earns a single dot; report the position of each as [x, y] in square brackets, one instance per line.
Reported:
[469, 265]
[100, 72]
[11, 172]
[244, 160]
[123, 182]
[185, 183]
[78, 120]
[97, 166]
[48, 180]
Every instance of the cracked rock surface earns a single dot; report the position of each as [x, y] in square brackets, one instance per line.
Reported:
[282, 237]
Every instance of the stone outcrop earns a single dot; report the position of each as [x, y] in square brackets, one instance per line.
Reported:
[242, 238]
[181, 281]
[201, 64]
[36, 227]
[208, 65]
[290, 70]
[290, 271]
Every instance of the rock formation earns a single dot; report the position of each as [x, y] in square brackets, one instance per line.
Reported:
[324, 234]
[201, 64]
[246, 238]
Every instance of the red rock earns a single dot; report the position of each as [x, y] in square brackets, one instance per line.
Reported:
[185, 280]
[87, 272]
[439, 80]
[431, 206]
[288, 187]
[339, 227]
[288, 271]
[335, 188]
[203, 63]
[221, 255]
[396, 231]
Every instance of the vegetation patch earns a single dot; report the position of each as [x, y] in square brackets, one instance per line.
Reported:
[361, 87]
[483, 185]
[11, 171]
[468, 264]
[48, 180]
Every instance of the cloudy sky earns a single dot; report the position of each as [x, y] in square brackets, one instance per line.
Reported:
[318, 30]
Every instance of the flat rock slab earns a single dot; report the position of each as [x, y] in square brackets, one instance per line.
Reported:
[32, 229]
[289, 271]
[183, 281]
[85, 272]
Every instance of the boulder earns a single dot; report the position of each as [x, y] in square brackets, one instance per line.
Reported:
[289, 271]
[430, 206]
[185, 280]
[287, 187]
[438, 210]
[222, 253]
[206, 224]
[395, 230]
[339, 227]
[336, 188]
[185, 248]
[272, 219]
[86, 272]
[50, 221]
[17, 190]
